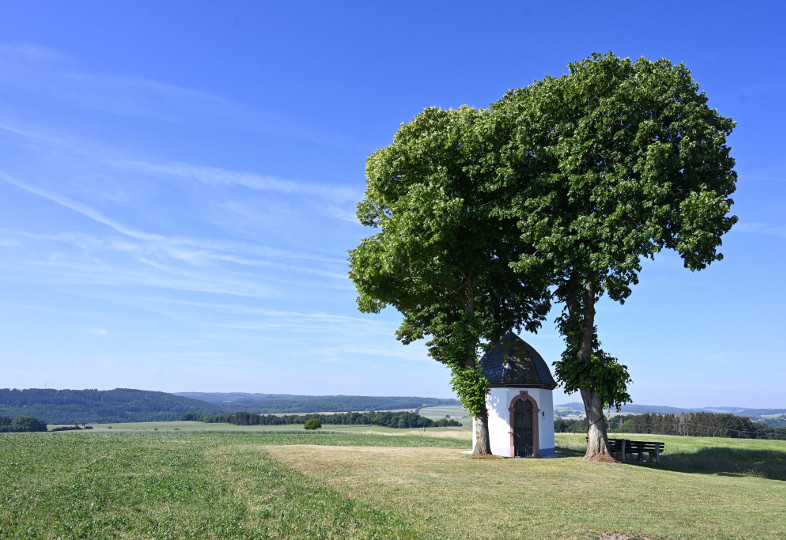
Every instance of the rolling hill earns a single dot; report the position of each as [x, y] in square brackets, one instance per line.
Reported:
[287, 403]
[772, 417]
[99, 406]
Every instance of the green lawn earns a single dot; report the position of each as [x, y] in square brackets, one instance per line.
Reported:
[185, 484]
[190, 427]
[456, 412]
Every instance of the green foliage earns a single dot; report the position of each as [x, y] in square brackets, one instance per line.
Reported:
[398, 419]
[443, 254]
[603, 372]
[697, 424]
[313, 423]
[118, 405]
[471, 387]
[277, 403]
[562, 425]
[21, 424]
[704, 424]
[605, 166]
[594, 171]
[598, 370]
[127, 405]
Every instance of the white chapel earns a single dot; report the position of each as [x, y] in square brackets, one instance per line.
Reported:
[520, 406]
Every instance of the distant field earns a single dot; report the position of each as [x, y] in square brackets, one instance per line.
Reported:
[455, 412]
[379, 483]
[190, 427]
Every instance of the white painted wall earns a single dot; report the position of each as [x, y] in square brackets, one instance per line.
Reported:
[498, 403]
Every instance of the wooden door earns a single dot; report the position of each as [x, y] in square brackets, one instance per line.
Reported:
[522, 429]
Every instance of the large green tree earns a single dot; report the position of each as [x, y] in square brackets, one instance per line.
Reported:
[443, 253]
[603, 167]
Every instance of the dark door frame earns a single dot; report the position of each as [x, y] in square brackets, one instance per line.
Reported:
[524, 396]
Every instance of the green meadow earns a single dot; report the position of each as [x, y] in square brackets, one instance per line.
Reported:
[176, 480]
[455, 412]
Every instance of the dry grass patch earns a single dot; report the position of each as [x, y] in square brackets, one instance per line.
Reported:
[447, 494]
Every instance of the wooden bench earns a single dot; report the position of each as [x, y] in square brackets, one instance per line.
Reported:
[620, 448]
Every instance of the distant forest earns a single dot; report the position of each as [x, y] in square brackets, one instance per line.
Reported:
[127, 405]
[99, 406]
[398, 419]
[772, 417]
[286, 403]
[21, 424]
[699, 424]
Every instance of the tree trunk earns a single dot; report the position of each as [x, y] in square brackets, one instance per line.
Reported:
[482, 440]
[597, 438]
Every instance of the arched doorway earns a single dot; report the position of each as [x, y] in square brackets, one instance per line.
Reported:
[524, 434]
[522, 429]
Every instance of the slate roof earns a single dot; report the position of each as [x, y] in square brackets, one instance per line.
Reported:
[513, 362]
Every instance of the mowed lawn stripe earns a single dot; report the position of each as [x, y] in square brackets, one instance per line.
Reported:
[452, 495]
[252, 485]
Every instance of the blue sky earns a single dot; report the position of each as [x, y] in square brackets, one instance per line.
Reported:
[178, 183]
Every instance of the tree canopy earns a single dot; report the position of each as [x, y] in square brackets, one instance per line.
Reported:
[568, 183]
[443, 255]
[603, 167]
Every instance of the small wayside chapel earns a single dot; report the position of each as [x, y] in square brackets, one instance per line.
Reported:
[520, 405]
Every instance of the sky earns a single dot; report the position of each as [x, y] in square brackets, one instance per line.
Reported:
[178, 183]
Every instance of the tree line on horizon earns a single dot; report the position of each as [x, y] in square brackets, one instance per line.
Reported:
[302, 404]
[398, 419]
[699, 424]
[694, 424]
[97, 406]
[129, 405]
[21, 424]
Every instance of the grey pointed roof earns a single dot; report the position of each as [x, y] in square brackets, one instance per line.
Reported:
[513, 362]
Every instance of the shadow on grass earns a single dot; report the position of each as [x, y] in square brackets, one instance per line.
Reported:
[568, 451]
[770, 464]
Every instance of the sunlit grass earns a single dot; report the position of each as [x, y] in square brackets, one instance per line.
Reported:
[452, 495]
[189, 427]
[180, 484]
[707, 455]
[435, 413]
[164, 485]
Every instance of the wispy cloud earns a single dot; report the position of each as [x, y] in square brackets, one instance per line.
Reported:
[397, 352]
[44, 70]
[761, 228]
[8, 242]
[41, 70]
[195, 251]
[215, 176]
[80, 208]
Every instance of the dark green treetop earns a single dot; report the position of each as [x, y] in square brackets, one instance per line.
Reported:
[443, 253]
[605, 166]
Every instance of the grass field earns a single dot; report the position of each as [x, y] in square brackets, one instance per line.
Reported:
[456, 412]
[186, 484]
[191, 427]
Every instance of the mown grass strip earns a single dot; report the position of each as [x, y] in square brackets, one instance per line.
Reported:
[329, 485]
[760, 458]
[451, 495]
